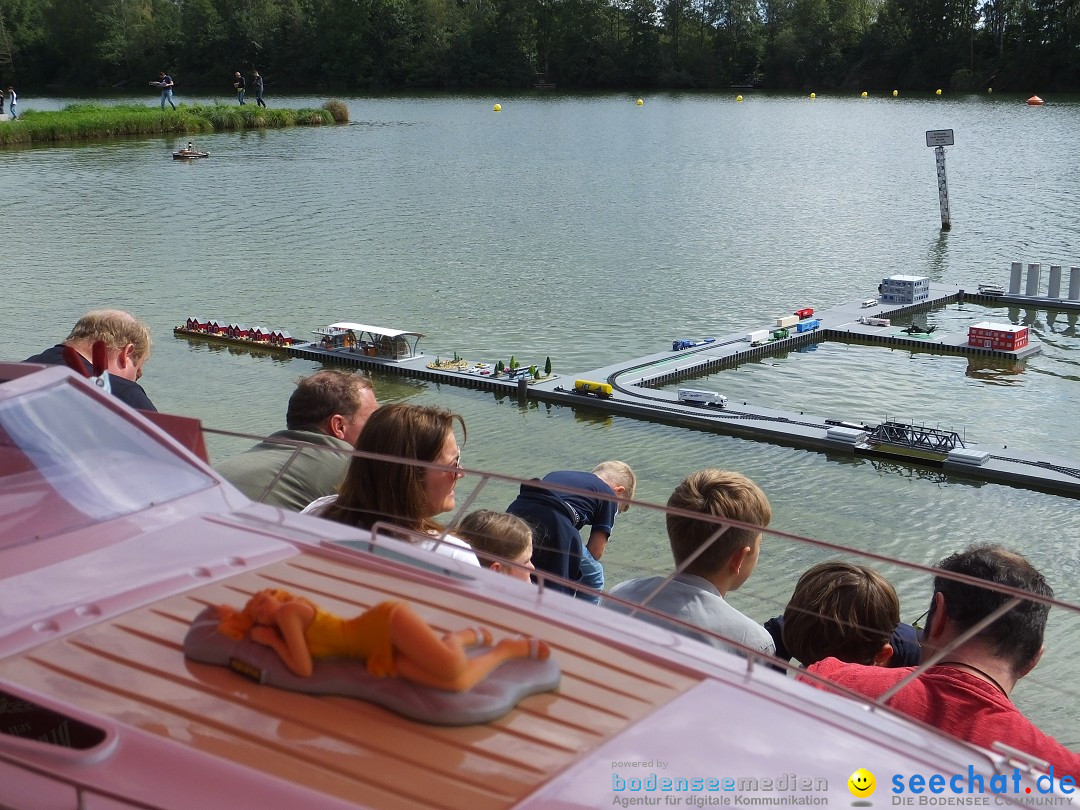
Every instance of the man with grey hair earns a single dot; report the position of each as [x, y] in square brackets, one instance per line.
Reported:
[293, 467]
[127, 341]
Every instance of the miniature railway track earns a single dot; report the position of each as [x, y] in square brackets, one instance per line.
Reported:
[723, 414]
[664, 405]
[1043, 465]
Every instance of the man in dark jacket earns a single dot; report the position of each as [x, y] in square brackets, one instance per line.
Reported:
[127, 340]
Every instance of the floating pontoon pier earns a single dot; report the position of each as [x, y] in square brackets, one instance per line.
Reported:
[633, 386]
[1035, 294]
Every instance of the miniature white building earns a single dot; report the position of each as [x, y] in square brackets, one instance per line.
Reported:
[905, 289]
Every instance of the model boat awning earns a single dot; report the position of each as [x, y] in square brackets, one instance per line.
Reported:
[345, 326]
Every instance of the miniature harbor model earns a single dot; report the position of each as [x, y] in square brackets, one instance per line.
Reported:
[236, 334]
[629, 387]
[116, 540]
[370, 341]
[1059, 289]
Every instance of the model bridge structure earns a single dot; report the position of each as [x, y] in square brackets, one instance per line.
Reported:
[919, 438]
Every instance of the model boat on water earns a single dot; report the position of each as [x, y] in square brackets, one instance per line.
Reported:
[114, 537]
[189, 154]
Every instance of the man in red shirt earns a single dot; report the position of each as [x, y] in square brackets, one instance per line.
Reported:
[965, 691]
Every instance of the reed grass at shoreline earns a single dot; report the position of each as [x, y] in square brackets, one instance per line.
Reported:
[78, 122]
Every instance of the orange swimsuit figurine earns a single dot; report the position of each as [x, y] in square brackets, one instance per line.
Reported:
[391, 638]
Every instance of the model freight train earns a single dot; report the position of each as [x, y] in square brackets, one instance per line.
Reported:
[594, 389]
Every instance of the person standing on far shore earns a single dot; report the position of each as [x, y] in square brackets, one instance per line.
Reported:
[241, 86]
[12, 99]
[259, 90]
[165, 82]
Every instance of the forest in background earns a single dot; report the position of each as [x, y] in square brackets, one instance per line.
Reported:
[75, 46]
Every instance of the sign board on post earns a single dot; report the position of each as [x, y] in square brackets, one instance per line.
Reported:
[939, 137]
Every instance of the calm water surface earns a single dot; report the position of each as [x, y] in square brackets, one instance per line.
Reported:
[591, 230]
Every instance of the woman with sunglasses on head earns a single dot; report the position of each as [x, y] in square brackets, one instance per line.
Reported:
[403, 494]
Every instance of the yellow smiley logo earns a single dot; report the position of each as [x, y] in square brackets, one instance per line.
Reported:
[862, 783]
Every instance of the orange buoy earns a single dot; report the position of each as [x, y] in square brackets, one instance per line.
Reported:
[1035, 101]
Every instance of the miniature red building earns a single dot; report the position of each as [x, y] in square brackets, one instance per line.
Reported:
[1004, 337]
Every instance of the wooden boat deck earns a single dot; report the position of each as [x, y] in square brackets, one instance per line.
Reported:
[131, 669]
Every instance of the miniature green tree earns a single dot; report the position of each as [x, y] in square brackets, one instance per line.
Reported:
[547, 368]
[438, 362]
[535, 372]
[513, 363]
[500, 367]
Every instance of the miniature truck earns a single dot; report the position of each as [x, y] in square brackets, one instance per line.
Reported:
[679, 345]
[758, 337]
[709, 399]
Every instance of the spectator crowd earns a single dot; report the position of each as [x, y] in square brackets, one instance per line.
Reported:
[395, 468]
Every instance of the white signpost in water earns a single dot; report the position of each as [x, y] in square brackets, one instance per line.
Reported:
[939, 139]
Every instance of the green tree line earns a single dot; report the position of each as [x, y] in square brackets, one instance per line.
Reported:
[370, 45]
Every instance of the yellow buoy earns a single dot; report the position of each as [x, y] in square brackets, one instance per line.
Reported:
[895, 93]
[738, 98]
[813, 95]
[497, 108]
[863, 94]
[937, 92]
[640, 102]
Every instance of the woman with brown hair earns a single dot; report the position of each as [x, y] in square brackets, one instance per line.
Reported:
[380, 490]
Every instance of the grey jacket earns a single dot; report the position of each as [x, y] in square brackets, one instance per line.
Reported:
[312, 474]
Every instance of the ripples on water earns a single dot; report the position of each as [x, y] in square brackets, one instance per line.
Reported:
[594, 231]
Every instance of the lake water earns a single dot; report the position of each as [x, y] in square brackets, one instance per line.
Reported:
[592, 230]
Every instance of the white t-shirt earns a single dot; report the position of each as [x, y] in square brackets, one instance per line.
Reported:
[451, 546]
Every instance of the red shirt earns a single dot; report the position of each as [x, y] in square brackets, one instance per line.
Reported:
[957, 702]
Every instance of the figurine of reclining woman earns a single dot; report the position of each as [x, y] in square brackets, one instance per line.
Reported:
[391, 638]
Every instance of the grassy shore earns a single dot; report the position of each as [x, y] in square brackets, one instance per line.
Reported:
[79, 122]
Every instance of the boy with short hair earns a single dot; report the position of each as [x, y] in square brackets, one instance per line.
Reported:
[711, 559]
[841, 610]
[556, 517]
